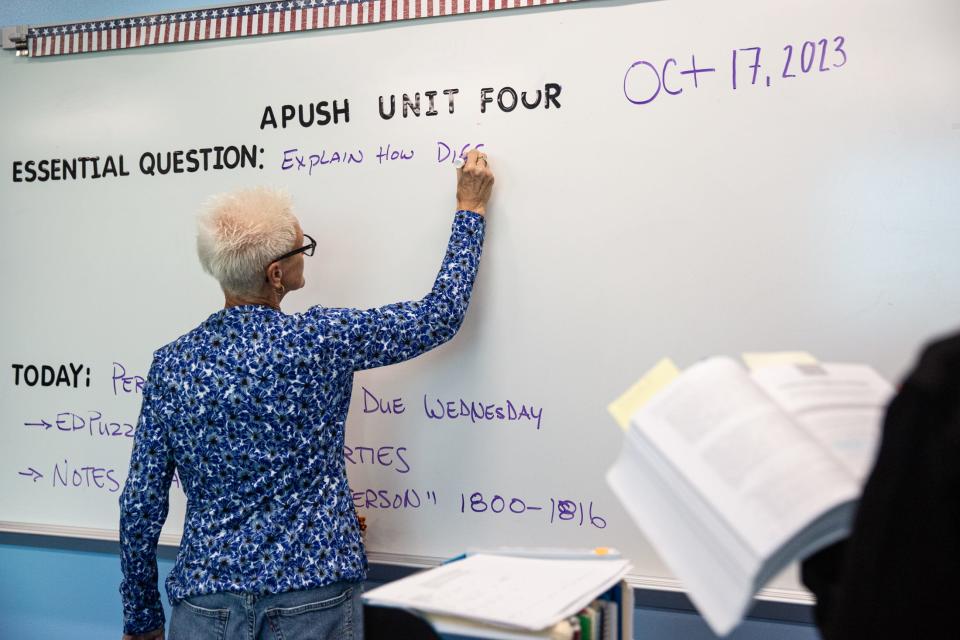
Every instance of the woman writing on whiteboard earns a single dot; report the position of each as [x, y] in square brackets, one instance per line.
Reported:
[250, 408]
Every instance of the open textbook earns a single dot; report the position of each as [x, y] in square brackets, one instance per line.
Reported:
[732, 474]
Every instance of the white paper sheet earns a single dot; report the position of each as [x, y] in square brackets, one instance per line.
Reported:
[525, 593]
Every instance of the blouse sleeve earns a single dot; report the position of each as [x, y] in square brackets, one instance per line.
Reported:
[403, 330]
[143, 510]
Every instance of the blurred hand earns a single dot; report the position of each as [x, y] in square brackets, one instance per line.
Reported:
[156, 634]
[474, 183]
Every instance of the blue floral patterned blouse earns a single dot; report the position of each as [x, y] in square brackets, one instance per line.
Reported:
[249, 408]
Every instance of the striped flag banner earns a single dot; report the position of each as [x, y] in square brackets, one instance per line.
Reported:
[243, 20]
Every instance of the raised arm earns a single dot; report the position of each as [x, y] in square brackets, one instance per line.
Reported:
[143, 509]
[386, 335]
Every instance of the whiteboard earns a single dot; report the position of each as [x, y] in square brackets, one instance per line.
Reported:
[649, 212]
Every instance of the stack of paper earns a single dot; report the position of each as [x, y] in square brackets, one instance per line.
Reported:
[529, 594]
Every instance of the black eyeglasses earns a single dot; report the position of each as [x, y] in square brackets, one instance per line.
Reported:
[307, 249]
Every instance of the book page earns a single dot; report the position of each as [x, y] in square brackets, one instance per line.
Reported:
[841, 405]
[714, 564]
[453, 625]
[760, 359]
[767, 477]
[527, 593]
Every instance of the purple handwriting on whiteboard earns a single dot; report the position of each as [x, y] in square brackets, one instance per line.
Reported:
[92, 422]
[437, 408]
[389, 152]
[293, 160]
[124, 383]
[388, 457]
[509, 411]
[393, 499]
[557, 510]
[84, 476]
[373, 404]
[648, 79]
[449, 152]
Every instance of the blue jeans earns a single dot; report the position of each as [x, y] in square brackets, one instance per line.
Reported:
[333, 612]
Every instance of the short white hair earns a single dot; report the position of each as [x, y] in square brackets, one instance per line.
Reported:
[240, 233]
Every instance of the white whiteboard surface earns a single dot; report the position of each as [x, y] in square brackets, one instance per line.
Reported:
[817, 213]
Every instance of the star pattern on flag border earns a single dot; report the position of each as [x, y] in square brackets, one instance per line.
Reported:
[245, 20]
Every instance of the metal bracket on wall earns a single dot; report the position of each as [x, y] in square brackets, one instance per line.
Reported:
[14, 39]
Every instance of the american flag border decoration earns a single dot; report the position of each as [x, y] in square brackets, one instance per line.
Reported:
[243, 20]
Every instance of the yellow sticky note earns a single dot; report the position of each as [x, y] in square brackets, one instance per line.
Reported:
[662, 374]
[758, 360]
